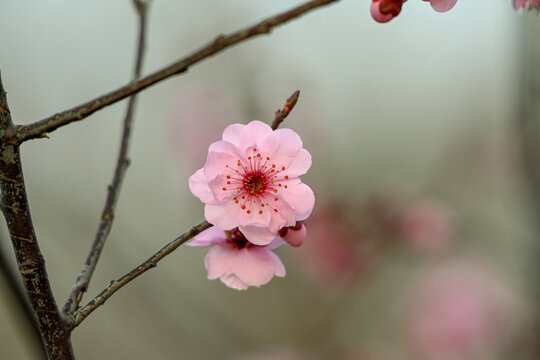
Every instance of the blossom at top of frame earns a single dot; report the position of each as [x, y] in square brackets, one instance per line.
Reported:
[442, 5]
[527, 4]
[251, 180]
[383, 11]
[238, 263]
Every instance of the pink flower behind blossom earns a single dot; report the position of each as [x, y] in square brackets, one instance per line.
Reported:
[251, 180]
[331, 254]
[529, 4]
[460, 312]
[236, 262]
[198, 117]
[425, 225]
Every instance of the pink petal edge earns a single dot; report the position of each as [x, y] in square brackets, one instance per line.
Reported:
[442, 5]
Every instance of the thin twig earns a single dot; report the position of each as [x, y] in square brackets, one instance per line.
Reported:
[49, 124]
[21, 302]
[283, 113]
[107, 215]
[151, 262]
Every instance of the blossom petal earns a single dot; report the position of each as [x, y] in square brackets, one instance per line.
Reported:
[224, 216]
[279, 268]
[299, 165]
[244, 136]
[277, 242]
[234, 282]
[257, 235]
[222, 158]
[222, 189]
[198, 184]
[258, 216]
[442, 5]
[253, 265]
[300, 197]
[210, 236]
[282, 144]
[217, 262]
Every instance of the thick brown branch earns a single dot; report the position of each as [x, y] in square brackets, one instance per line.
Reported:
[151, 262]
[20, 300]
[42, 127]
[107, 215]
[54, 333]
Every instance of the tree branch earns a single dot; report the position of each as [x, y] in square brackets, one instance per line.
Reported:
[21, 302]
[107, 215]
[151, 262]
[42, 127]
[54, 333]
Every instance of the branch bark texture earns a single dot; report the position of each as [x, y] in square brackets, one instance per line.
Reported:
[49, 124]
[20, 299]
[54, 332]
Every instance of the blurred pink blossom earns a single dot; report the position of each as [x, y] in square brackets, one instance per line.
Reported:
[461, 311]
[528, 4]
[330, 254]
[251, 180]
[198, 117]
[426, 225]
[236, 262]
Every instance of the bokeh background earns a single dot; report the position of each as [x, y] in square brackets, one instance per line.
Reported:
[423, 244]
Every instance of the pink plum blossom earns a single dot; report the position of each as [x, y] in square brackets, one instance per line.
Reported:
[460, 311]
[425, 225]
[528, 4]
[251, 180]
[238, 263]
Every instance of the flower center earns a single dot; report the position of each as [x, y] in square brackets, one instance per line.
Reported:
[255, 182]
[237, 239]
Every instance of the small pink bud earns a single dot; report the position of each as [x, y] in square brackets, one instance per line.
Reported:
[383, 11]
[294, 235]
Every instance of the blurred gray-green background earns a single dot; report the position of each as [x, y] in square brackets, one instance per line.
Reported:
[414, 119]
